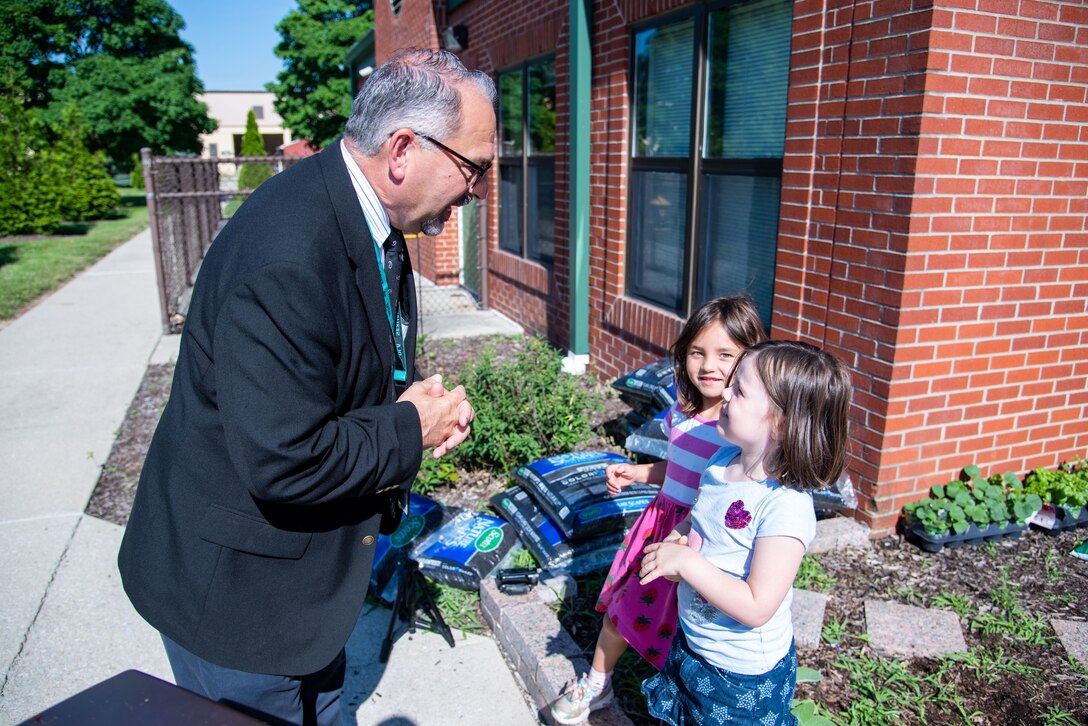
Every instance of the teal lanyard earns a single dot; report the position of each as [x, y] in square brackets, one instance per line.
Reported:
[400, 374]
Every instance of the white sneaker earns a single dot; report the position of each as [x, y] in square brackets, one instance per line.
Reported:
[574, 705]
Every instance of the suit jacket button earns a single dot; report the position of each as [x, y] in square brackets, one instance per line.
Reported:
[368, 540]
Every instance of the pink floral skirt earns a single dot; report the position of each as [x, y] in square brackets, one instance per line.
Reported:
[645, 616]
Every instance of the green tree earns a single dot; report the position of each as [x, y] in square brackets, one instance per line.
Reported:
[251, 176]
[121, 62]
[313, 91]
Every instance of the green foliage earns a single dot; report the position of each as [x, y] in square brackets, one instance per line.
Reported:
[313, 91]
[1066, 486]
[811, 575]
[121, 62]
[434, 473]
[1009, 618]
[137, 176]
[974, 500]
[84, 188]
[526, 409]
[807, 713]
[29, 202]
[251, 176]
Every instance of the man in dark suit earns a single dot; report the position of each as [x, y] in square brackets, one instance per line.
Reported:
[294, 428]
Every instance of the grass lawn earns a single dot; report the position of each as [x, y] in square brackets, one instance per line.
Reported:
[34, 266]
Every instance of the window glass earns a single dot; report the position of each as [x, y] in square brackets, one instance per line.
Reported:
[663, 88]
[510, 201]
[542, 108]
[748, 62]
[510, 113]
[541, 212]
[656, 243]
[739, 231]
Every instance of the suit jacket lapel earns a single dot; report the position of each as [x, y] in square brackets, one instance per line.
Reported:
[359, 246]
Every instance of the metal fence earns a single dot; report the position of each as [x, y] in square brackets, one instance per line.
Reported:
[186, 198]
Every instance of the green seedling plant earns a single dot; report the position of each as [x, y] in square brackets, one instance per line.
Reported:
[1066, 486]
[972, 499]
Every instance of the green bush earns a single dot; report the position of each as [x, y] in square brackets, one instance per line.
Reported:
[251, 176]
[526, 408]
[29, 202]
[84, 187]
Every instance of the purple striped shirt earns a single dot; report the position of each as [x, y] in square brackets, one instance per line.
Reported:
[692, 441]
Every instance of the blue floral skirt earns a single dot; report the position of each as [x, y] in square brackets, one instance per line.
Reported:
[689, 690]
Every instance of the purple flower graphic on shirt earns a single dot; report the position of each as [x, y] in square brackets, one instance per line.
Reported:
[737, 517]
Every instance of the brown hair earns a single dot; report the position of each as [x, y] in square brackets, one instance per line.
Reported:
[811, 389]
[738, 315]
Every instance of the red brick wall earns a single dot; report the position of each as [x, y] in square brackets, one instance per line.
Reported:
[932, 231]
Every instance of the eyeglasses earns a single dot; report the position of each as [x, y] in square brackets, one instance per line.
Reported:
[478, 170]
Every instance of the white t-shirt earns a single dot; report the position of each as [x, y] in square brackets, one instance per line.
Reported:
[725, 522]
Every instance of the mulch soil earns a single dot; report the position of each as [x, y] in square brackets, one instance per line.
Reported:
[1036, 572]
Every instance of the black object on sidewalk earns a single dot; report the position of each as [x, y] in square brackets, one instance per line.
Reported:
[134, 697]
[406, 607]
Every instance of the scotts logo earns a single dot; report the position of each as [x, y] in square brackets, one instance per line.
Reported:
[489, 540]
[408, 530]
[590, 513]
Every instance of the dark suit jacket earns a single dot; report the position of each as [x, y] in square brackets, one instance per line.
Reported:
[251, 539]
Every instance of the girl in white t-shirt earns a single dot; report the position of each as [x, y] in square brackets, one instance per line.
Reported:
[785, 417]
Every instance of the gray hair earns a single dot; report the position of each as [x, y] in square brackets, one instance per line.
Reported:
[416, 89]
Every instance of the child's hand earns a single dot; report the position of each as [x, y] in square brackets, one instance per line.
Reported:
[664, 559]
[618, 476]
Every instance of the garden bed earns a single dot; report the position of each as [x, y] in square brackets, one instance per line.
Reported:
[1006, 591]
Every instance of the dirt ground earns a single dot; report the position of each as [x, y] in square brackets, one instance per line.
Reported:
[1043, 579]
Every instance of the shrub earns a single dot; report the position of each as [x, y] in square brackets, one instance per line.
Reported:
[84, 187]
[29, 203]
[526, 408]
[251, 176]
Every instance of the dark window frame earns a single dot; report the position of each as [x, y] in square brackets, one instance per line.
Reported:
[695, 165]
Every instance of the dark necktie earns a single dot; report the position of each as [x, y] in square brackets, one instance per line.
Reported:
[394, 252]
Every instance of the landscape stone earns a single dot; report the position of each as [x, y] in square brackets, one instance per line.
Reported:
[808, 617]
[905, 631]
[1074, 637]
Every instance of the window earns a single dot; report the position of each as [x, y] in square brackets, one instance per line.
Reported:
[704, 216]
[527, 161]
[213, 150]
[258, 112]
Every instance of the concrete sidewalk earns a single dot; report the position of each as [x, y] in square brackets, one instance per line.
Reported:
[69, 369]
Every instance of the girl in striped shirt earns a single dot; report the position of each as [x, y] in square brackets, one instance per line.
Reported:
[645, 616]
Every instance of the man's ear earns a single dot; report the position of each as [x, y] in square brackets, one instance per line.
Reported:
[399, 146]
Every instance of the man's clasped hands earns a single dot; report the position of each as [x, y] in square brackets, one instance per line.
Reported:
[445, 416]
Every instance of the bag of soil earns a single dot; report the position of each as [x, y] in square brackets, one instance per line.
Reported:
[571, 490]
[424, 517]
[552, 550]
[465, 550]
[648, 389]
[650, 438]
